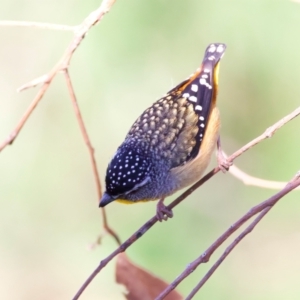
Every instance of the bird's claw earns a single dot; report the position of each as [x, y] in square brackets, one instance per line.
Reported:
[162, 212]
[223, 163]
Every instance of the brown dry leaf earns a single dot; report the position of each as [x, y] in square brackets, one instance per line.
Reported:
[140, 284]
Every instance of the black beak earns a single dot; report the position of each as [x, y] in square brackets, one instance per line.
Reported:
[106, 199]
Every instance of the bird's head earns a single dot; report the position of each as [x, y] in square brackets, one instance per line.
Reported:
[127, 172]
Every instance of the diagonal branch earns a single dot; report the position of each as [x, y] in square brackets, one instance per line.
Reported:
[91, 151]
[227, 251]
[269, 132]
[46, 80]
[12, 136]
[84, 132]
[134, 237]
[255, 181]
[64, 62]
[262, 209]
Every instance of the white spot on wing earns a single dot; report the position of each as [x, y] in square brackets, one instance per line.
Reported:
[194, 88]
[198, 107]
[193, 98]
[203, 81]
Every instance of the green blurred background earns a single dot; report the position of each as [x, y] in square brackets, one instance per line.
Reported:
[49, 214]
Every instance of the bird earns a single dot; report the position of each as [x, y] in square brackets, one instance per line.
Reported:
[170, 145]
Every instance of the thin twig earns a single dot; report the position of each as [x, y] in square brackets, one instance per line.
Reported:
[12, 136]
[8, 23]
[261, 208]
[268, 133]
[255, 181]
[250, 180]
[89, 22]
[90, 149]
[133, 238]
[84, 132]
[46, 80]
[139, 233]
[227, 251]
[33, 83]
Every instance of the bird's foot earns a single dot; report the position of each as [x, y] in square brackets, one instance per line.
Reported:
[162, 212]
[223, 163]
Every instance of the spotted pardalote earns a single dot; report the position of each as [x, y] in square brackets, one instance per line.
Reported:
[170, 145]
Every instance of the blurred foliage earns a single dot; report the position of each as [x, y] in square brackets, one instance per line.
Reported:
[49, 213]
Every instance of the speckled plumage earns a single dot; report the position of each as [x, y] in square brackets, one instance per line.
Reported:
[170, 144]
[168, 127]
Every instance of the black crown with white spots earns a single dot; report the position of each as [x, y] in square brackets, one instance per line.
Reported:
[128, 170]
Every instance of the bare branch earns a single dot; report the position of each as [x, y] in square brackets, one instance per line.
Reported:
[39, 80]
[133, 238]
[227, 251]
[84, 132]
[255, 181]
[12, 136]
[46, 80]
[89, 22]
[8, 23]
[261, 208]
[91, 151]
[267, 134]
